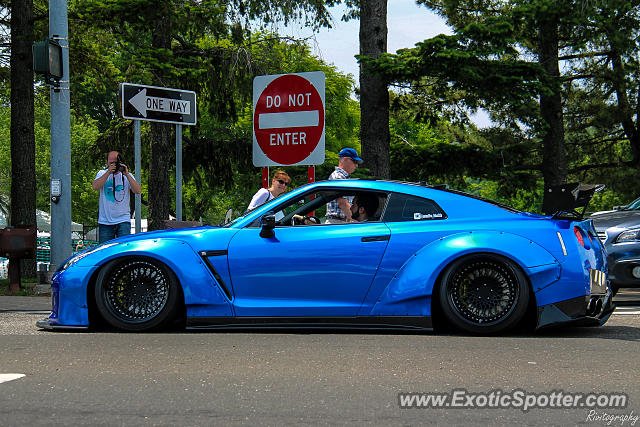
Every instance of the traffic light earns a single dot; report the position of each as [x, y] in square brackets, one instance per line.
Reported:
[47, 60]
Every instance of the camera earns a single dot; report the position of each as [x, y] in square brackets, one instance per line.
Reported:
[119, 167]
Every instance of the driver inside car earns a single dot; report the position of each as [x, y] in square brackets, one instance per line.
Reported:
[364, 207]
[305, 220]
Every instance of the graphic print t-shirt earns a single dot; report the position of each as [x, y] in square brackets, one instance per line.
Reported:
[114, 199]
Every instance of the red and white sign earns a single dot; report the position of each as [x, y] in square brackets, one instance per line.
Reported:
[288, 119]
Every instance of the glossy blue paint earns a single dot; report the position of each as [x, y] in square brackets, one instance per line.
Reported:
[418, 277]
[575, 266]
[346, 270]
[313, 270]
[198, 284]
[68, 293]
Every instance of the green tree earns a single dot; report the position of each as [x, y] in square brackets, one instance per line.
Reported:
[164, 42]
[219, 66]
[219, 170]
[83, 168]
[533, 64]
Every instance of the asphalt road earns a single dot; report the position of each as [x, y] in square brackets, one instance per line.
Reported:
[298, 378]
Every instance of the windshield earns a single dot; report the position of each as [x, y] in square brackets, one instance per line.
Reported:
[635, 205]
[247, 212]
[229, 224]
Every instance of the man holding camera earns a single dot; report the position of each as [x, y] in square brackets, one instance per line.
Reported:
[114, 184]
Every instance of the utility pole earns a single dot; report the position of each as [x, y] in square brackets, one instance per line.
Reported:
[60, 141]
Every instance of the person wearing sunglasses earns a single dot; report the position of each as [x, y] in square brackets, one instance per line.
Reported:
[339, 210]
[279, 184]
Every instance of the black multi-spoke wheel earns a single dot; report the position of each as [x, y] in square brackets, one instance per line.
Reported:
[136, 294]
[484, 294]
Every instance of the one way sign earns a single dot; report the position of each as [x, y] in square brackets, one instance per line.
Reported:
[158, 104]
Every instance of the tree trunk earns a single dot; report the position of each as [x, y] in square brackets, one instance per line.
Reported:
[374, 95]
[23, 143]
[159, 175]
[554, 160]
[161, 148]
[625, 110]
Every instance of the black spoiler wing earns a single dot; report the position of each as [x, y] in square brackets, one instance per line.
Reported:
[562, 201]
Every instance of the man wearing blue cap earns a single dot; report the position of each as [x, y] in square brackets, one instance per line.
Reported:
[339, 210]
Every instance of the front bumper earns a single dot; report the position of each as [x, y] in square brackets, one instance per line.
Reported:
[69, 309]
[620, 272]
[48, 325]
[588, 310]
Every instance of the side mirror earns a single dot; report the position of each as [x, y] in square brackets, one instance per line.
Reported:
[268, 222]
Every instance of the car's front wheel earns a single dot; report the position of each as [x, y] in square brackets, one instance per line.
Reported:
[136, 294]
[484, 294]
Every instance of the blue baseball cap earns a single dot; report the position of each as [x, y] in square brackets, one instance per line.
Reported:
[350, 152]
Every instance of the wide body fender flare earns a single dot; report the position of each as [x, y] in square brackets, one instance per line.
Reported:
[409, 292]
[199, 287]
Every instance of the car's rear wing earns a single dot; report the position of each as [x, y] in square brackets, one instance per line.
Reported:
[562, 201]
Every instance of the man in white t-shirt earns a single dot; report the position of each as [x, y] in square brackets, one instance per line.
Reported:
[114, 183]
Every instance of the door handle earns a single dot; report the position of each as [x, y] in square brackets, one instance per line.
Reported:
[375, 238]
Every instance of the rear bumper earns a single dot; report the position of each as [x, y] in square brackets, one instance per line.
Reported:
[588, 310]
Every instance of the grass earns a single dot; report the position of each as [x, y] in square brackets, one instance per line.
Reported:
[27, 287]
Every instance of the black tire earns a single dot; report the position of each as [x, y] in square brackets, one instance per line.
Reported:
[137, 294]
[484, 294]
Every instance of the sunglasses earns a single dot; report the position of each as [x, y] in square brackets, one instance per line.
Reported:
[283, 182]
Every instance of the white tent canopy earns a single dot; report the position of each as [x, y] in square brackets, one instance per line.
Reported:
[43, 220]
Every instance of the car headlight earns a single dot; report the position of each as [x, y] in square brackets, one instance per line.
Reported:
[628, 236]
[77, 257]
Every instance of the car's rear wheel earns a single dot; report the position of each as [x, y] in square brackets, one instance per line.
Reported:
[136, 294]
[484, 294]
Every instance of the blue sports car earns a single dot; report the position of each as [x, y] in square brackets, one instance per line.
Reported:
[425, 253]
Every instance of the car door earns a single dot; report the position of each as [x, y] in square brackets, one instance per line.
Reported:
[313, 270]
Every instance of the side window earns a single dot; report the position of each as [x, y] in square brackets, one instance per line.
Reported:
[293, 211]
[402, 207]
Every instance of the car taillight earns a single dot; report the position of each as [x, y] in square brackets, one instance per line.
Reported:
[579, 236]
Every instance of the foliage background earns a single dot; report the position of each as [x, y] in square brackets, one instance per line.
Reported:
[436, 86]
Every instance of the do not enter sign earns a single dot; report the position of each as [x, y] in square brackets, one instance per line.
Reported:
[288, 119]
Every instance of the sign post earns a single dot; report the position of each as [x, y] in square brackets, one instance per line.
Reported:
[288, 119]
[136, 152]
[158, 104]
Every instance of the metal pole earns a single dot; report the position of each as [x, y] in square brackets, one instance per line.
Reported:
[60, 139]
[178, 172]
[136, 149]
[311, 178]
